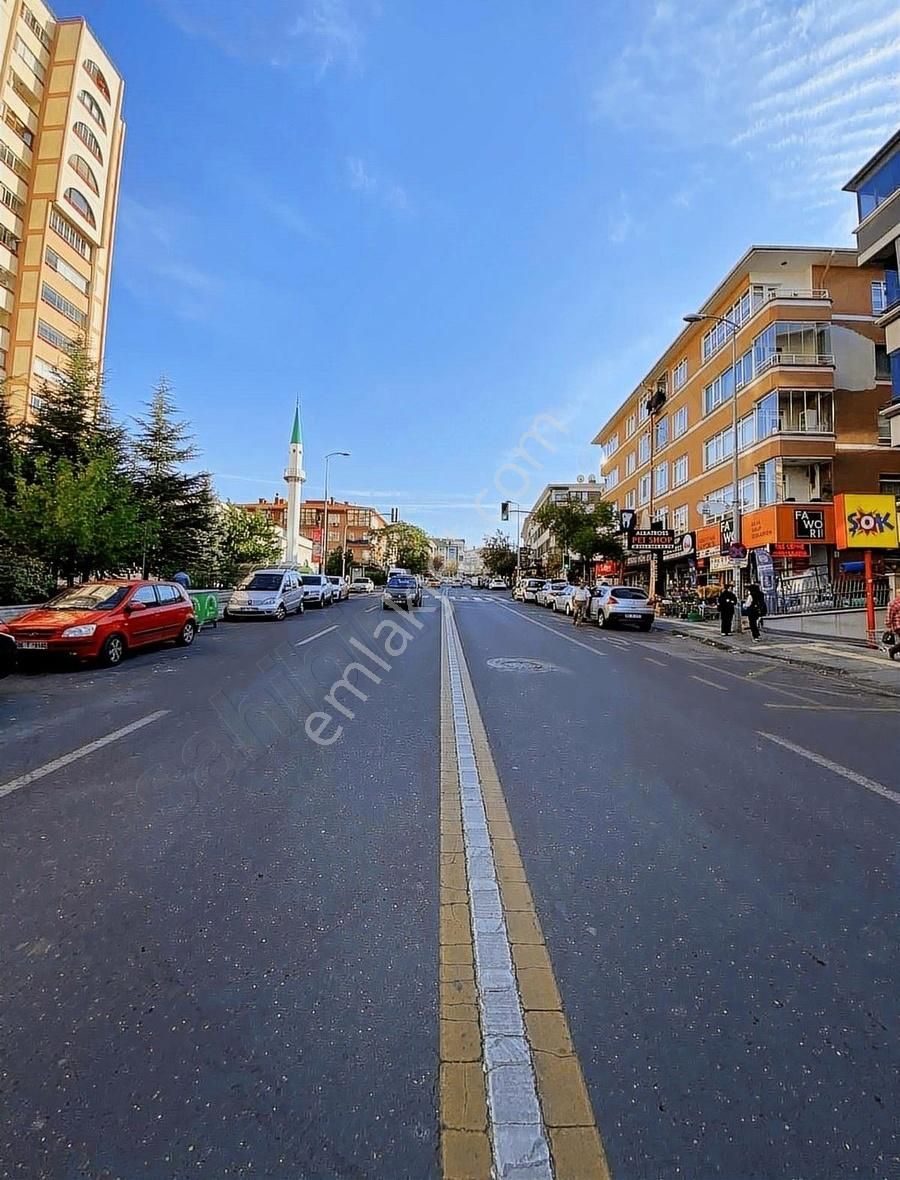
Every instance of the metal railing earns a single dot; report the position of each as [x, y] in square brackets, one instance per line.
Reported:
[792, 598]
[805, 360]
[817, 293]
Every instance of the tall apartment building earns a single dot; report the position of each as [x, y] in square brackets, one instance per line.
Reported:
[351, 527]
[539, 552]
[877, 189]
[61, 138]
[811, 378]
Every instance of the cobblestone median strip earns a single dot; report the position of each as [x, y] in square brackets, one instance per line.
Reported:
[539, 1115]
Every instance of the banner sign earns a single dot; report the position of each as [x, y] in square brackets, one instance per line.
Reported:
[642, 539]
[790, 549]
[809, 524]
[708, 540]
[865, 522]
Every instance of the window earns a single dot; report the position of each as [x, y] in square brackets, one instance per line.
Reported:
[630, 425]
[94, 73]
[70, 234]
[883, 429]
[12, 161]
[739, 313]
[889, 485]
[788, 340]
[680, 374]
[88, 101]
[643, 412]
[631, 463]
[79, 201]
[679, 422]
[11, 201]
[89, 139]
[661, 479]
[765, 474]
[744, 369]
[25, 92]
[680, 518]
[36, 27]
[746, 431]
[63, 305]
[718, 391]
[629, 499]
[146, 595]
[168, 595]
[7, 279]
[879, 297]
[747, 490]
[54, 336]
[9, 240]
[882, 363]
[612, 478]
[662, 432]
[612, 445]
[661, 517]
[718, 448]
[680, 471]
[79, 165]
[46, 371]
[36, 402]
[644, 489]
[879, 186]
[30, 58]
[68, 272]
[644, 448]
[12, 120]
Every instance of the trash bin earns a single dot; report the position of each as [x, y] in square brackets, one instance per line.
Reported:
[206, 607]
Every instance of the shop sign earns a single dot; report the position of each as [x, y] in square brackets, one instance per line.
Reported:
[684, 547]
[865, 522]
[759, 528]
[719, 562]
[637, 559]
[727, 537]
[708, 540]
[790, 549]
[651, 539]
[606, 569]
[809, 524]
[765, 568]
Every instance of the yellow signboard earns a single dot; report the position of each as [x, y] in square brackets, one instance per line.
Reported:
[865, 521]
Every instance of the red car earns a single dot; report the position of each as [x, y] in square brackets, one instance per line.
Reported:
[7, 652]
[103, 620]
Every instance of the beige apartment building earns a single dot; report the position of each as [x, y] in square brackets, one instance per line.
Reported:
[61, 138]
[811, 378]
[539, 553]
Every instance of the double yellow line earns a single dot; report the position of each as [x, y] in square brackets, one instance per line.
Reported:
[471, 1147]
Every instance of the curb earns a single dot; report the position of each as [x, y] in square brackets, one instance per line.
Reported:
[811, 665]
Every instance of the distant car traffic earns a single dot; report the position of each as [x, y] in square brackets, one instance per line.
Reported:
[317, 590]
[7, 652]
[402, 592]
[341, 587]
[362, 586]
[613, 606]
[104, 620]
[496, 584]
[268, 593]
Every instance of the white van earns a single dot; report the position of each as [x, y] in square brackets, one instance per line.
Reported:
[272, 593]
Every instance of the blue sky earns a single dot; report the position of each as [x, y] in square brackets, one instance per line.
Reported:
[436, 220]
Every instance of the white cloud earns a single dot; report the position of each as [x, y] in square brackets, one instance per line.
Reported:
[362, 179]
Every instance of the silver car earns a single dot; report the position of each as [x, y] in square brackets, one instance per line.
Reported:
[548, 591]
[341, 587]
[269, 593]
[615, 606]
[562, 602]
[317, 590]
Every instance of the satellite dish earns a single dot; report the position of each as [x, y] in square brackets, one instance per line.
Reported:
[712, 507]
[580, 479]
[592, 479]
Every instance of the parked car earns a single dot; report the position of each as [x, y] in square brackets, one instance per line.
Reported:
[362, 586]
[554, 592]
[612, 606]
[527, 591]
[268, 593]
[401, 591]
[317, 590]
[104, 620]
[496, 584]
[546, 592]
[7, 652]
[562, 602]
[341, 587]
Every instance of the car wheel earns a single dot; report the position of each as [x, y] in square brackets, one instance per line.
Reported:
[188, 634]
[113, 651]
[602, 620]
[280, 613]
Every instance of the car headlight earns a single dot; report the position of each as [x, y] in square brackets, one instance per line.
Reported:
[82, 632]
[267, 602]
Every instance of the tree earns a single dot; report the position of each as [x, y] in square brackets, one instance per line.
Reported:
[9, 455]
[498, 555]
[179, 507]
[245, 539]
[437, 563]
[406, 545]
[64, 424]
[337, 561]
[586, 530]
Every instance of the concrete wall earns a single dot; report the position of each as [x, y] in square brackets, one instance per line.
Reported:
[836, 624]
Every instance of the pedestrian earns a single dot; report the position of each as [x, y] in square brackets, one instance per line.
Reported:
[182, 579]
[892, 624]
[580, 600]
[727, 603]
[757, 608]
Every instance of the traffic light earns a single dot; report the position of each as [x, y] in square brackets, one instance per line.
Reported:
[504, 510]
[395, 516]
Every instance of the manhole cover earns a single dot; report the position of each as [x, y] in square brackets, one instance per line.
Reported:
[518, 664]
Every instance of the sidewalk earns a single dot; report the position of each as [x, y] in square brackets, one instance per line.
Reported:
[868, 668]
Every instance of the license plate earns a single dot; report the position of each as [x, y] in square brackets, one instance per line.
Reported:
[32, 645]
[632, 616]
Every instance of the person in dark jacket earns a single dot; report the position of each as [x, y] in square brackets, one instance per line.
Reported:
[756, 608]
[726, 602]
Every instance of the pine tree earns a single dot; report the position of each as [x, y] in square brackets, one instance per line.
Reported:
[9, 455]
[64, 424]
[178, 507]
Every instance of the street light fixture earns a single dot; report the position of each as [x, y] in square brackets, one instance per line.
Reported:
[330, 455]
[698, 318]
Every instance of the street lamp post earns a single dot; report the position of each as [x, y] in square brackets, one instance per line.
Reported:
[330, 455]
[698, 318]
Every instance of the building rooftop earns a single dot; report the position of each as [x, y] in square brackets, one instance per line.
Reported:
[872, 165]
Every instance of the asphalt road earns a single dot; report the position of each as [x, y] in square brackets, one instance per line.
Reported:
[218, 938]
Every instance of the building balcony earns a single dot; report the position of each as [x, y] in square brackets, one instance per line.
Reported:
[800, 294]
[795, 360]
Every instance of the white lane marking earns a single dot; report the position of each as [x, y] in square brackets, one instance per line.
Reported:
[371, 608]
[319, 634]
[711, 683]
[817, 708]
[659, 663]
[553, 630]
[25, 780]
[745, 679]
[834, 767]
[512, 1099]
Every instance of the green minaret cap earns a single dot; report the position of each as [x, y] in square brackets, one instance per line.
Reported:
[296, 436]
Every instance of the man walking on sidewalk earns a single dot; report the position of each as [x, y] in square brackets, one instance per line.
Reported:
[892, 623]
[756, 608]
[580, 600]
[726, 603]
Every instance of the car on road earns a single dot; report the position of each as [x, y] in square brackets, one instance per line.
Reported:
[496, 584]
[317, 590]
[548, 590]
[614, 606]
[402, 592]
[271, 593]
[341, 587]
[103, 621]
[562, 602]
[362, 586]
[527, 591]
[7, 652]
